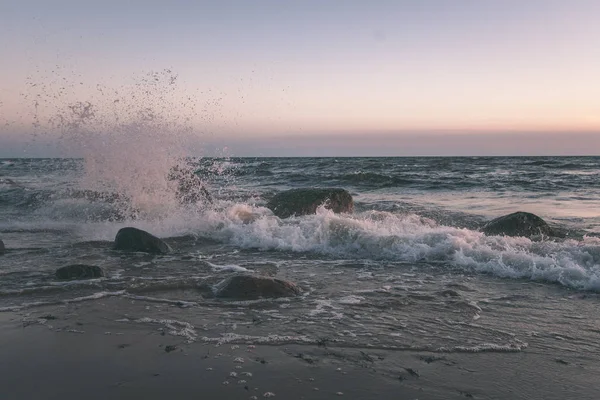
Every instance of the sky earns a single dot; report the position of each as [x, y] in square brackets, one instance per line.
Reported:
[339, 78]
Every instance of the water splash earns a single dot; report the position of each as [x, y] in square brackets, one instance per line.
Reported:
[131, 138]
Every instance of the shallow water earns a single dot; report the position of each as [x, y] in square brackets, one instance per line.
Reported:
[408, 270]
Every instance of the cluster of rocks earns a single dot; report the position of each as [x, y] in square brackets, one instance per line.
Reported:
[240, 286]
[291, 203]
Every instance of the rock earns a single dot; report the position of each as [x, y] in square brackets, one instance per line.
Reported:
[79, 271]
[2, 248]
[306, 201]
[133, 239]
[518, 224]
[190, 188]
[249, 287]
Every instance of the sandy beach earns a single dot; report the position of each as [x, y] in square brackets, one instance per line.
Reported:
[92, 350]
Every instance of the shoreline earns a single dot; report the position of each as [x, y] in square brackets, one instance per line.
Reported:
[83, 351]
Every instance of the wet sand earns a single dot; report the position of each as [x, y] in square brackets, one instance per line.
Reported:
[79, 352]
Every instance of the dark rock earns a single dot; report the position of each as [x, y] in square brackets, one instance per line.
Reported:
[518, 224]
[2, 248]
[190, 188]
[133, 239]
[79, 271]
[248, 287]
[306, 201]
[170, 347]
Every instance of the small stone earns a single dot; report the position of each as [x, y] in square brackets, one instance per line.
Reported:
[169, 348]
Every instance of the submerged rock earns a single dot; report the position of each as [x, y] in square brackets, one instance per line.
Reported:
[79, 271]
[249, 287]
[2, 248]
[133, 239]
[518, 224]
[297, 202]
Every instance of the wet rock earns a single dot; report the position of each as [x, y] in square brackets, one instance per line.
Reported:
[297, 202]
[248, 287]
[2, 248]
[518, 224]
[133, 239]
[79, 271]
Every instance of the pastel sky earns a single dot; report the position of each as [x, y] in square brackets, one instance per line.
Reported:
[398, 77]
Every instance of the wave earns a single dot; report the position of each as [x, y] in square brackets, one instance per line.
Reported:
[399, 235]
[410, 238]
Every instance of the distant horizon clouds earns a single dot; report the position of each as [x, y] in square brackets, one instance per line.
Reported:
[340, 78]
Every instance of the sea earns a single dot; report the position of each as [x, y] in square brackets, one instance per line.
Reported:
[408, 269]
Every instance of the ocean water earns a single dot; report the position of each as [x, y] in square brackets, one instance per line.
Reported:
[408, 269]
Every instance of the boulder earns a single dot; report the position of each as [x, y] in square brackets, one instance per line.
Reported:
[297, 202]
[79, 271]
[518, 224]
[2, 248]
[133, 239]
[249, 287]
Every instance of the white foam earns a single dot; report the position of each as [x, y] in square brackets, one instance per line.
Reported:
[229, 267]
[94, 296]
[231, 337]
[176, 328]
[486, 347]
[407, 238]
[351, 299]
